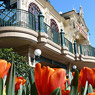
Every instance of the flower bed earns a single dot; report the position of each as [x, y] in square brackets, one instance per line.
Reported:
[46, 81]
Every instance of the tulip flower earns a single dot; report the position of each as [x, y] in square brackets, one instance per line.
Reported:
[93, 90]
[19, 81]
[91, 93]
[93, 69]
[67, 92]
[73, 73]
[86, 74]
[4, 67]
[48, 79]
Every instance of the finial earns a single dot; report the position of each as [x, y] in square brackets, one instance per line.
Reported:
[74, 8]
[60, 12]
[81, 11]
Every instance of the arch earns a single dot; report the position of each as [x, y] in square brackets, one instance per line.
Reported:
[35, 10]
[54, 33]
[54, 25]
[33, 7]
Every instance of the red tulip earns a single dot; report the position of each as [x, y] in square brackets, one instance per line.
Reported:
[19, 81]
[86, 74]
[93, 90]
[67, 92]
[93, 69]
[91, 93]
[48, 79]
[4, 67]
[73, 73]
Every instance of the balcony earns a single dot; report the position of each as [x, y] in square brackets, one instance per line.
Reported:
[17, 17]
[23, 24]
[87, 50]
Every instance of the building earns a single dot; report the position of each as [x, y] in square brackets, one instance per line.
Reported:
[26, 25]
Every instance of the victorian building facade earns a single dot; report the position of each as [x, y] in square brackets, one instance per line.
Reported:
[26, 25]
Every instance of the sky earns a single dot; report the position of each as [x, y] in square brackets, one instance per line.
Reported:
[88, 9]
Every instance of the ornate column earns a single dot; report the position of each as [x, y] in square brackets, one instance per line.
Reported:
[75, 48]
[41, 22]
[62, 38]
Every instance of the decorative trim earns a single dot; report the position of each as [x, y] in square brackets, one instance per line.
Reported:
[33, 5]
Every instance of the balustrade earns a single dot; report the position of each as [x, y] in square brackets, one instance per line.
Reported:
[87, 50]
[53, 35]
[69, 45]
[17, 17]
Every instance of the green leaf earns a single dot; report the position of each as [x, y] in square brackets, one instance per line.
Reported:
[66, 85]
[57, 91]
[76, 78]
[32, 82]
[90, 89]
[74, 89]
[24, 90]
[85, 89]
[1, 86]
[27, 87]
[20, 90]
[70, 76]
[10, 84]
[4, 80]
[82, 90]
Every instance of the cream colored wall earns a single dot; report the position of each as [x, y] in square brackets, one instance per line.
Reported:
[72, 33]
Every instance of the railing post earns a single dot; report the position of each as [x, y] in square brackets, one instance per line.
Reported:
[80, 49]
[75, 47]
[62, 38]
[41, 22]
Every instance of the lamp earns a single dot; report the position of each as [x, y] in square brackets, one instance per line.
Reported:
[74, 67]
[37, 52]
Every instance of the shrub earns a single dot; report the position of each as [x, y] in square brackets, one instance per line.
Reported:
[21, 65]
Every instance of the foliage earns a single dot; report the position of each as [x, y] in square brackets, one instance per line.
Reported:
[21, 66]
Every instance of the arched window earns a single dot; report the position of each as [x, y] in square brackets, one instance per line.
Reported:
[54, 33]
[34, 9]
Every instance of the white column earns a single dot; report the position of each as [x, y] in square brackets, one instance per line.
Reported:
[19, 4]
[29, 58]
[69, 72]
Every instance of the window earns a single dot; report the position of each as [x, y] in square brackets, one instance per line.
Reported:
[54, 33]
[34, 9]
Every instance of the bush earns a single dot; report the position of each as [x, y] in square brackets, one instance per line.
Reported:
[21, 65]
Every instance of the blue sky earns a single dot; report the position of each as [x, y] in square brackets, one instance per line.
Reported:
[88, 8]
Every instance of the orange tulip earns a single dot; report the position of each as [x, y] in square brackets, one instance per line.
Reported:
[86, 74]
[48, 79]
[91, 93]
[19, 81]
[4, 67]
